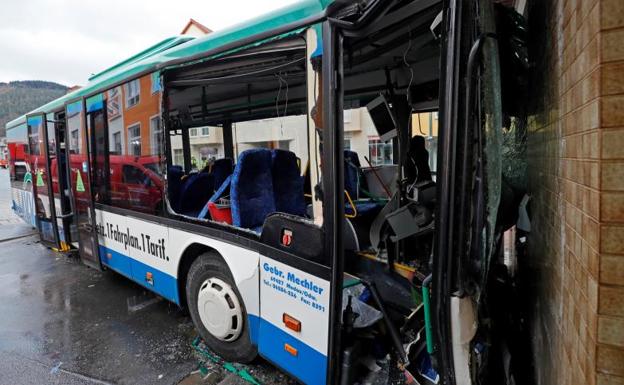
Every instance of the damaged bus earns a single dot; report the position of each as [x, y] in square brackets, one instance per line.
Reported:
[223, 174]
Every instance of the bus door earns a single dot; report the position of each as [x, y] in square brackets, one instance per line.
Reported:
[38, 146]
[99, 163]
[60, 194]
[80, 184]
[67, 227]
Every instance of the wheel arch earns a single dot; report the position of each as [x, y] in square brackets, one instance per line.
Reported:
[190, 254]
[243, 265]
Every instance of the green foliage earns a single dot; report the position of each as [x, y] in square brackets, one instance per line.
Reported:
[20, 97]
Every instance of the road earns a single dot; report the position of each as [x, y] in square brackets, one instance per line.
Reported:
[64, 323]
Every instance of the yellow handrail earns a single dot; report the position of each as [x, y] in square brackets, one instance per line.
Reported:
[352, 206]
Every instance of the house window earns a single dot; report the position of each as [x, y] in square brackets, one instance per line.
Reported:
[133, 92]
[380, 153]
[205, 131]
[113, 103]
[74, 139]
[117, 143]
[178, 157]
[347, 143]
[193, 132]
[156, 133]
[134, 140]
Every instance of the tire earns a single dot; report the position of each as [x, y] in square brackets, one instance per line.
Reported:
[207, 268]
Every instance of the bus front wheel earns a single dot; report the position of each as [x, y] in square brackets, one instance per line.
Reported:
[217, 309]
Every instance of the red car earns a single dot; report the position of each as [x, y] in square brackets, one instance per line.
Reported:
[132, 185]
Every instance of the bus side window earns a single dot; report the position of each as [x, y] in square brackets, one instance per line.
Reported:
[135, 146]
[260, 115]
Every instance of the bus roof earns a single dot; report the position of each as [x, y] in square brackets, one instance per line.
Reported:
[175, 49]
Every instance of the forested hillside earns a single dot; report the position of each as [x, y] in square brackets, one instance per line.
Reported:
[20, 97]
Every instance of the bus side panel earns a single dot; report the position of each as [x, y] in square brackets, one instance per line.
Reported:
[149, 253]
[243, 264]
[151, 263]
[137, 249]
[289, 292]
[113, 242]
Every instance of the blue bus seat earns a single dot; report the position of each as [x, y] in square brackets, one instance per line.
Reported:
[195, 193]
[287, 183]
[251, 189]
[220, 170]
[352, 174]
[352, 185]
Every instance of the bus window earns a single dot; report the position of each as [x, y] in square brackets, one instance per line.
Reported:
[129, 139]
[98, 149]
[238, 137]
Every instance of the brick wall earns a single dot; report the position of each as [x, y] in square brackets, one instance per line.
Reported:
[576, 179]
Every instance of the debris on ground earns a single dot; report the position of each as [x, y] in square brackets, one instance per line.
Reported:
[258, 373]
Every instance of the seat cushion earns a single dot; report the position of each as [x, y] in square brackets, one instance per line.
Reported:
[251, 189]
[364, 208]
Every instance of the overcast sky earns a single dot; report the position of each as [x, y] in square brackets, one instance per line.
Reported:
[67, 40]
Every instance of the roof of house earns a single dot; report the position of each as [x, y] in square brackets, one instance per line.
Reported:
[200, 26]
[172, 50]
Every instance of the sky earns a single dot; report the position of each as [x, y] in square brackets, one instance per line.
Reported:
[65, 41]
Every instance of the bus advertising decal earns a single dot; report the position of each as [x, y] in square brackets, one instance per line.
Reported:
[142, 242]
[293, 286]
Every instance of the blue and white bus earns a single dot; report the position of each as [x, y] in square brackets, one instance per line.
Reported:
[273, 179]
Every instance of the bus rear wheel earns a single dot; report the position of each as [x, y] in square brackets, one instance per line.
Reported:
[217, 309]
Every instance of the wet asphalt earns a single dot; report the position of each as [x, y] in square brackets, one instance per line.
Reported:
[64, 323]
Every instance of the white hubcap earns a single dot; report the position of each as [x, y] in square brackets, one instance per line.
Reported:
[220, 310]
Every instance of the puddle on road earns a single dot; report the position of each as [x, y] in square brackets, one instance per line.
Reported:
[139, 302]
